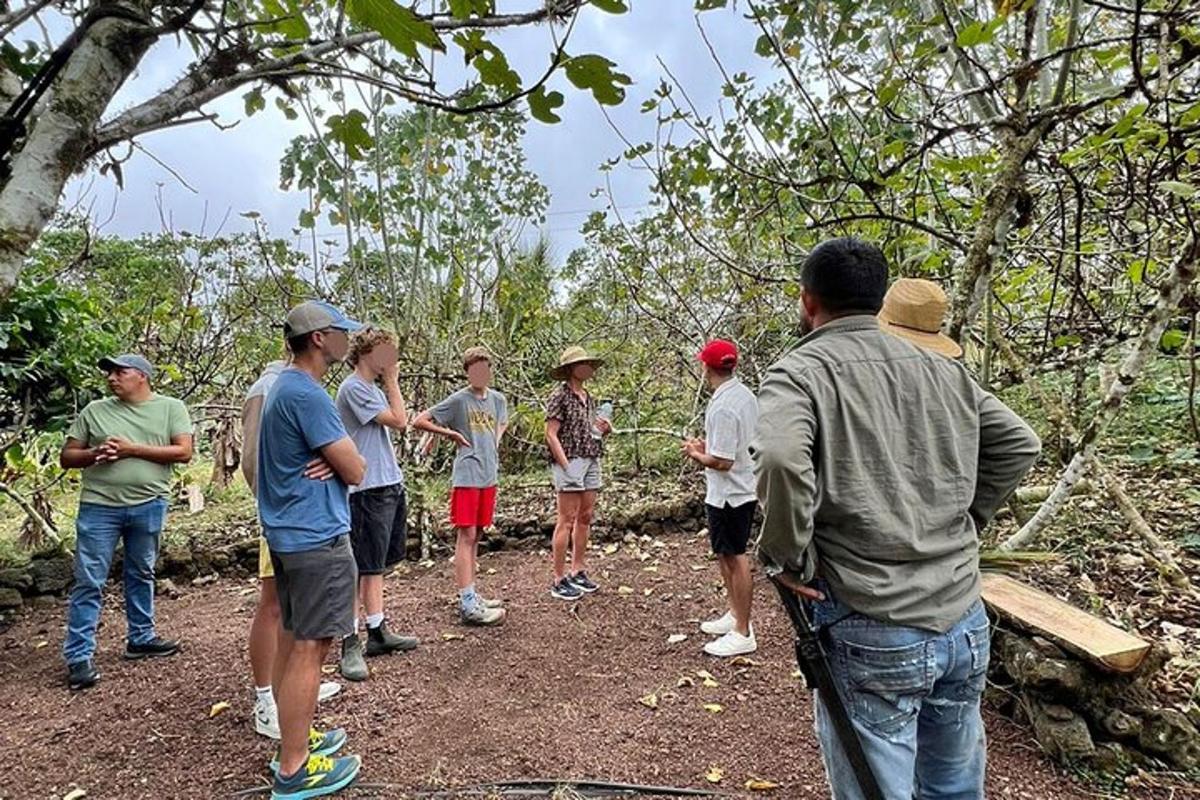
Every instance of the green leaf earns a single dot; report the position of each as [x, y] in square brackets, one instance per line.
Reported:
[709, 5]
[1172, 339]
[351, 131]
[463, 9]
[974, 34]
[887, 92]
[543, 103]
[611, 6]
[1138, 268]
[400, 26]
[596, 73]
[1178, 188]
[255, 101]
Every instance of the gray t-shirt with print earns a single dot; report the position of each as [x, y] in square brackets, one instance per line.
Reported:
[476, 418]
[359, 402]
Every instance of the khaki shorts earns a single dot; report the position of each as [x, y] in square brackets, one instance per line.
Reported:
[265, 568]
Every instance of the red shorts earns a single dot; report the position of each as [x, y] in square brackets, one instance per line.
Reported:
[471, 507]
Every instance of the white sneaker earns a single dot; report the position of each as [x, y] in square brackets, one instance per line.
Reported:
[266, 716]
[732, 644]
[328, 689]
[266, 719]
[719, 626]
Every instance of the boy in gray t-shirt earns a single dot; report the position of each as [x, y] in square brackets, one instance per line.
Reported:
[475, 419]
[377, 505]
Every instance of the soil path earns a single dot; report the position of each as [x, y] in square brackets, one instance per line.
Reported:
[552, 694]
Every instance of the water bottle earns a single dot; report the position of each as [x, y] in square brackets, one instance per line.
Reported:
[605, 412]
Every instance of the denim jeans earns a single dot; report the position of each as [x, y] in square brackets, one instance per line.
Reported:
[98, 528]
[913, 696]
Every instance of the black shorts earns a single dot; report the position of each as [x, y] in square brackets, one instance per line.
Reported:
[317, 590]
[378, 528]
[729, 527]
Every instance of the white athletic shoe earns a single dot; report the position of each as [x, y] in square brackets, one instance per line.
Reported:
[266, 716]
[328, 689]
[719, 626]
[266, 719]
[732, 644]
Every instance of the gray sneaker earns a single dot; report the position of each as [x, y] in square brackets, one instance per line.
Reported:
[480, 614]
[353, 666]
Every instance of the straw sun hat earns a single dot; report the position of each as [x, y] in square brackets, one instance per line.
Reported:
[569, 358]
[914, 309]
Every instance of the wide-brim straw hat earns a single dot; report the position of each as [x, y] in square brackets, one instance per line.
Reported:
[569, 358]
[914, 309]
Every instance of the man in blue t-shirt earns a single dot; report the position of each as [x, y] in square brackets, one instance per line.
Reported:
[306, 463]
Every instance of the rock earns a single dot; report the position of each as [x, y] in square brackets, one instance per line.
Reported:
[220, 561]
[15, 578]
[1169, 734]
[176, 560]
[1110, 757]
[205, 580]
[10, 598]
[51, 575]
[166, 586]
[43, 601]
[1127, 562]
[1119, 725]
[651, 528]
[1061, 732]
[691, 525]
[527, 531]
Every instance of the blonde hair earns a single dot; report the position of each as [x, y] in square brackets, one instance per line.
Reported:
[367, 340]
[474, 354]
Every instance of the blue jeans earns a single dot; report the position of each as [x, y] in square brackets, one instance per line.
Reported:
[913, 696]
[98, 528]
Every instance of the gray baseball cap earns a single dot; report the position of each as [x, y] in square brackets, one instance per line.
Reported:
[129, 360]
[316, 315]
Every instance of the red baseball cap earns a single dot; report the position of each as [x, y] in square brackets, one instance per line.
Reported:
[719, 354]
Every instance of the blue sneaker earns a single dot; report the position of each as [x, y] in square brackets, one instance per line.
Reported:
[319, 744]
[583, 583]
[566, 590]
[321, 776]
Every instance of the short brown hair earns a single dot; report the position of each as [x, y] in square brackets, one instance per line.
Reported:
[474, 354]
[367, 340]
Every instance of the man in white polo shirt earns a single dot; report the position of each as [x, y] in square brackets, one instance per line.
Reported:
[730, 499]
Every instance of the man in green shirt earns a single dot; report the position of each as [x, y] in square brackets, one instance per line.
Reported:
[126, 445]
[878, 463]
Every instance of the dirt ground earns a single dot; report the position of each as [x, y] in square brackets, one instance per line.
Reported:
[554, 693]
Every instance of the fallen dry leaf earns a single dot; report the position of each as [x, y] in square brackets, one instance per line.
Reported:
[649, 700]
[452, 637]
[685, 680]
[742, 661]
[714, 774]
[698, 567]
[610, 549]
[625, 590]
[711, 683]
[217, 708]
[75, 794]
[40, 645]
[647, 592]
[491, 571]
[328, 669]
[759, 785]
[714, 708]
[676, 638]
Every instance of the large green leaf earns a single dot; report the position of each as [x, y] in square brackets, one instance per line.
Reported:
[543, 103]
[351, 131]
[401, 27]
[596, 73]
[611, 6]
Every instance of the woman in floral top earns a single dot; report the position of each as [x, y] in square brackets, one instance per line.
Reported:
[575, 436]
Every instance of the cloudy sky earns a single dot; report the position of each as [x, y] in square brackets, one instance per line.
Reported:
[235, 171]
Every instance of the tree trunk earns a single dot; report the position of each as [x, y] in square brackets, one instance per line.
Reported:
[59, 139]
[1170, 293]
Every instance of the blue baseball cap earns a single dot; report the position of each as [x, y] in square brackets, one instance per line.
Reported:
[128, 361]
[317, 315]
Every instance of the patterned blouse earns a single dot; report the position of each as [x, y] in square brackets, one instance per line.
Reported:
[576, 416]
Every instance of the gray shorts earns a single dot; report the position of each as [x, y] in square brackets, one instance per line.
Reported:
[317, 589]
[581, 475]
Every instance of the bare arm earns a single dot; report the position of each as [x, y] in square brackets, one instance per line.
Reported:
[424, 422]
[396, 415]
[76, 455]
[556, 448]
[346, 462]
[179, 451]
[251, 418]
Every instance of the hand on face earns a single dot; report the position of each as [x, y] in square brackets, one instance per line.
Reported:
[385, 361]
